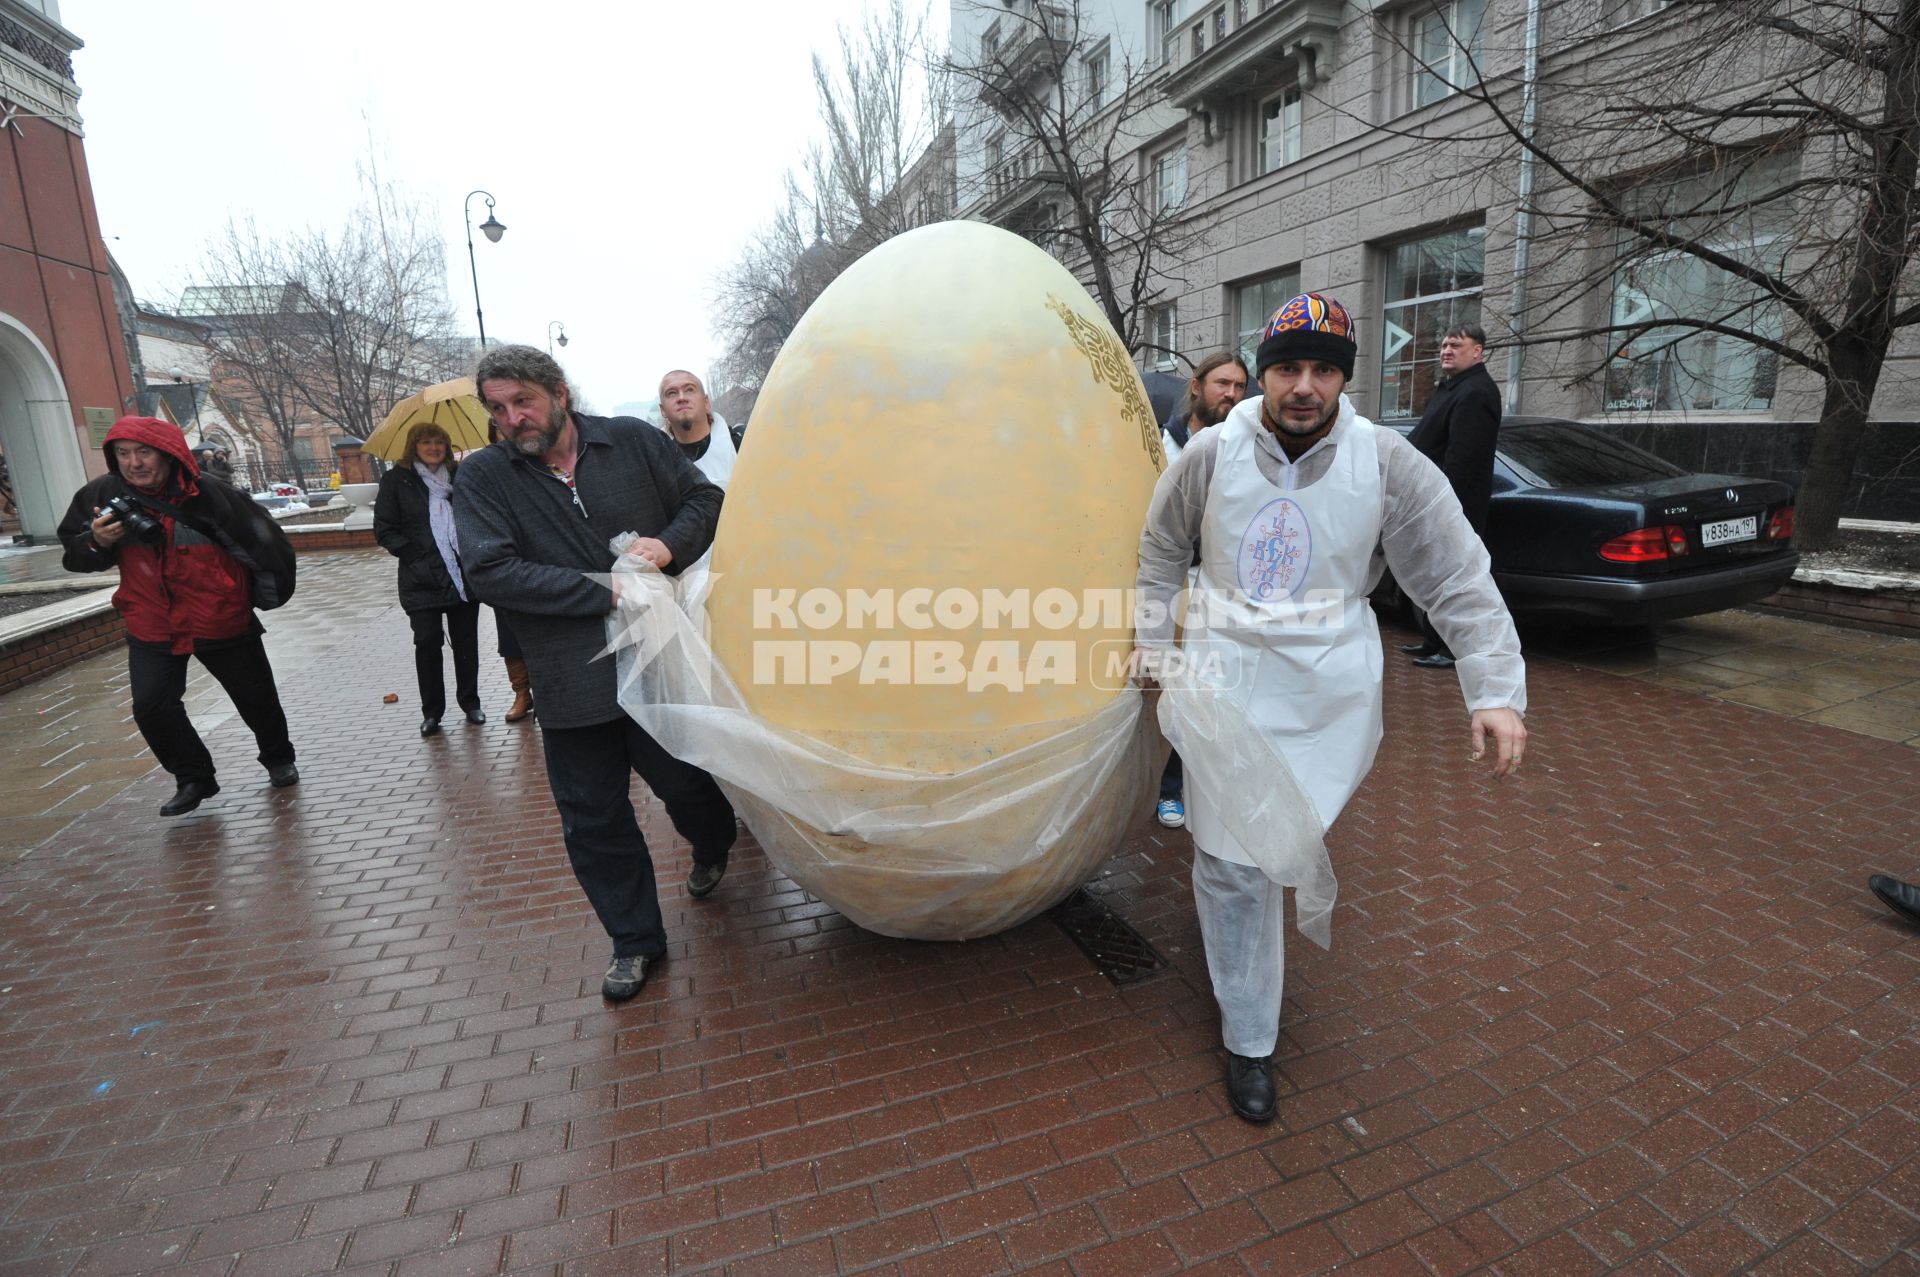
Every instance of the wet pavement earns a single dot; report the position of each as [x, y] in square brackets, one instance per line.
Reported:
[31, 565]
[1864, 682]
[1633, 1011]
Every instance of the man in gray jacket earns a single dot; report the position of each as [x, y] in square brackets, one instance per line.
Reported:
[535, 512]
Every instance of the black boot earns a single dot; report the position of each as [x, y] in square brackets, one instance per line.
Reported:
[1901, 897]
[1250, 1087]
[429, 668]
[190, 795]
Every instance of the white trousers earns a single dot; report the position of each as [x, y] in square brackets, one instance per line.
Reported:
[1243, 924]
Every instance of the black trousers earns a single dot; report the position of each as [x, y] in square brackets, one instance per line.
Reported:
[463, 632]
[1434, 642]
[588, 769]
[159, 680]
[509, 646]
[1173, 779]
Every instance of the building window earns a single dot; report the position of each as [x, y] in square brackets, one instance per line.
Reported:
[1254, 303]
[1433, 284]
[1170, 179]
[1656, 368]
[1620, 12]
[1446, 49]
[1280, 131]
[1163, 332]
[1099, 76]
[1159, 27]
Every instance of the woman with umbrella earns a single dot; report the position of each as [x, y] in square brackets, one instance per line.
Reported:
[413, 520]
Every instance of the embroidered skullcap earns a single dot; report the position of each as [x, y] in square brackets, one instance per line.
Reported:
[1311, 326]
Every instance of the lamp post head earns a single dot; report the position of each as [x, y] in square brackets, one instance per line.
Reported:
[493, 228]
[563, 339]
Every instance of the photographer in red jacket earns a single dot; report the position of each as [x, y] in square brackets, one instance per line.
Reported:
[194, 559]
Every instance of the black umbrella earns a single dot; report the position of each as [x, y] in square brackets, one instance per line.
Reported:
[1165, 392]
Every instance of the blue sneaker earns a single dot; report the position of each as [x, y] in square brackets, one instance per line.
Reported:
[1172, 812]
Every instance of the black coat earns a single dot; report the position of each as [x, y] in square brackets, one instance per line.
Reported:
[402, 525]
[1457, 433]
[532, 551]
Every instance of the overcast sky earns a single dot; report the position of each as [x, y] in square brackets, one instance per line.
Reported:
[631, 147]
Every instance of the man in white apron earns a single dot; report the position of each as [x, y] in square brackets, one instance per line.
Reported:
[701, 432]
[1294, 505]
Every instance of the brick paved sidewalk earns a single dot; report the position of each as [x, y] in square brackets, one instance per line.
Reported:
[1634, 1011]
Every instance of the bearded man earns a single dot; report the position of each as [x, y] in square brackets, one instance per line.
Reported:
[535, 511]
[1296, 497]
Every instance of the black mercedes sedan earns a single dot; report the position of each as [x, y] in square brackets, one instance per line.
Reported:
[1584, 527]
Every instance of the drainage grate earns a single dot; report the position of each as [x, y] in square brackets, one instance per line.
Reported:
[1122, 954]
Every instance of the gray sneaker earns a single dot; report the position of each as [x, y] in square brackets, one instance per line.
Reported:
[624, 977]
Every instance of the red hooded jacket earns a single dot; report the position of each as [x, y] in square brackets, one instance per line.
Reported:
[185, 589]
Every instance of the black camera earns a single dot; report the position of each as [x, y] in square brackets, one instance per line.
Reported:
[140, 525]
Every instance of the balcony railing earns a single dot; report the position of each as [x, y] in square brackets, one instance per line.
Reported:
[1232, 46]
[1030, 42]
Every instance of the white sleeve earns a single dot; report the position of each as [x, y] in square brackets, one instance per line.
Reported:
[1439, 561]
[1171, 539]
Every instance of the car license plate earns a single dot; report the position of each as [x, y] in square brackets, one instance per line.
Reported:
[1730, 530]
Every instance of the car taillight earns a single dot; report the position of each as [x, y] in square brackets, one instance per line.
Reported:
[1780, 526]
[1647, 545]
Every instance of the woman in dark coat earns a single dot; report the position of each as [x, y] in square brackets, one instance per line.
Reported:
[413, 520]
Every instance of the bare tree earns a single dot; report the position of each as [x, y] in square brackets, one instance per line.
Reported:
[255, 333]
[327, 328]
[377, 314]
[1726, 189]
[882, 105]
[1064, 112]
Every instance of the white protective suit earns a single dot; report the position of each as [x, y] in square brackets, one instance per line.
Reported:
[1305, 542]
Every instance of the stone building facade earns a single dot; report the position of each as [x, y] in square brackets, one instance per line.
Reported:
[1321, 144]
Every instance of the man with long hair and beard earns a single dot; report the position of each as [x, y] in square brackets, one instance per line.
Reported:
[535, 511]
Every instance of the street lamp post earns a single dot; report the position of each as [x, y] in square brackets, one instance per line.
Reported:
[551, 325]
[493, 229]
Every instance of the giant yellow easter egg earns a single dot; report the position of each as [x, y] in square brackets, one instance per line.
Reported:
[923, 563]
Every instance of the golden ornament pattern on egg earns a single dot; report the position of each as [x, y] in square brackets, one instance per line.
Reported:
[1112, 369]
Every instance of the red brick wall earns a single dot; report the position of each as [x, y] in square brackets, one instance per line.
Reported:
[53, 269]
[38, 655]
[305, 542]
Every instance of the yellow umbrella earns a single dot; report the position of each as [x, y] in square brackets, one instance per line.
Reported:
[454, 406]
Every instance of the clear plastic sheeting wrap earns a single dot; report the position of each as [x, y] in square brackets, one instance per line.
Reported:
[922, 856]
[1236, 770]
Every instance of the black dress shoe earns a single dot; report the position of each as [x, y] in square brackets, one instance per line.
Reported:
[1435, 661]
[429, 726]
[1250, 1087]
[1901, 897]
[1422, 648]
[283, 775]
[190, 795]
[476, 715]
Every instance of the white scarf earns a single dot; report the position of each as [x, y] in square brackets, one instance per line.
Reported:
[440, 516]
